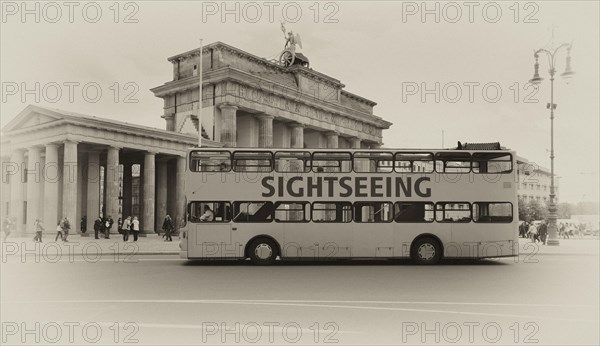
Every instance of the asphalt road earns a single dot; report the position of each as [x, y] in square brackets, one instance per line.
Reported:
[162, 300]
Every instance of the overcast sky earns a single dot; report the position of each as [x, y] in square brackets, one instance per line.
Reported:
[377, 49]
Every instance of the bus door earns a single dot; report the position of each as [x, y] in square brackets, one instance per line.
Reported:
[211, 231]
[331, 234]
[212, 240]
[373, 230]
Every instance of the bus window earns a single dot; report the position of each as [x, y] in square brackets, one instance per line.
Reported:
[252, 211]
[453, 212]
[491, 212]
[252, 161]
[291, 211]
[452, 162]
[492, 163]
[372, 162]
[331, 162]
[413, 212]
[331, 212]
[413, 162]
[210, 161]
[292, 161]
[209, 211]
[372, 212]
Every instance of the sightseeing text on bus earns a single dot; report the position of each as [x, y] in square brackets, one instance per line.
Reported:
[345, 187]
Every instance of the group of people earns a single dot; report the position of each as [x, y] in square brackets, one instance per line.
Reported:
[569, 230]
[102, 225]
[537, 233]
[129, 226]
[63, 227]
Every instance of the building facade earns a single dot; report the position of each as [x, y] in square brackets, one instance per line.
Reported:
[57, 163]
[534, 182]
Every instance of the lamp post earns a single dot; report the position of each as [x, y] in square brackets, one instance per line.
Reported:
[551, 55]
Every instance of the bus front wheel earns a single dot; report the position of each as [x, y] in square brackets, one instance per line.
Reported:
[262, 251]
[426, 251]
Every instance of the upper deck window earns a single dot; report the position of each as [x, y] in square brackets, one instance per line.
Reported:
[210, 161]
[331, 162]
[452, 162]
[413, 162]
[492, 163]
[252, 161]
[373, 162]
[292, 161]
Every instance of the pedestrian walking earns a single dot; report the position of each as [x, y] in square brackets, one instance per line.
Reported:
[59, 231]
[125, 228]
[39, 228]
[83, 224]
[66, 226]
[561, 230]
[107, 226]
[543, 231]
[168, 227]
[135, 228]
[7, 225]
[97, 227]
[533, 232]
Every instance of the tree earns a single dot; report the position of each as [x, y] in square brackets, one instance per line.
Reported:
[522, 210]
[537, 210]
[532, 210]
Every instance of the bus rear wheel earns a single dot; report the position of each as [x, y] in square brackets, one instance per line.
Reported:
[426, 251]
[262, 251]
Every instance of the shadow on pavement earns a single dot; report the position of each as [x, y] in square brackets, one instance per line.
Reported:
[350, 262]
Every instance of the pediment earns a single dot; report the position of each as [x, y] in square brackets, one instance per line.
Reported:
[32, 116]
[188, 127]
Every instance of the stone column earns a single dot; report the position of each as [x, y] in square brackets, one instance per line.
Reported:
[93, 190]
[297, 139]
[228, 124]
[332, 140]
[180, 192]
[355, 142]
[5, 188]
[69, 175]
[17, 184]
[265, 131]
[148, 193]
[81, 192]
[34, 179]
[112, 185]
[127, 189]
[51, 182]
[170, 121]
[161, 193]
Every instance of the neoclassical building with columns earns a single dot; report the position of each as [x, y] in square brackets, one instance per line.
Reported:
[57, 163]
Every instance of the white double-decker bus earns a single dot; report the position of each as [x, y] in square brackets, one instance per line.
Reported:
[270, 204]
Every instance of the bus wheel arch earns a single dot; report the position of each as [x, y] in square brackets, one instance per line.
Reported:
[426, 249]
[265, 242]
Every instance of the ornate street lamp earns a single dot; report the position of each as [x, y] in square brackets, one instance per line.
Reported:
[552, 228]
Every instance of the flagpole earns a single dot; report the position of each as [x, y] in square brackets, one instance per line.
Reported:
[200, 98]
